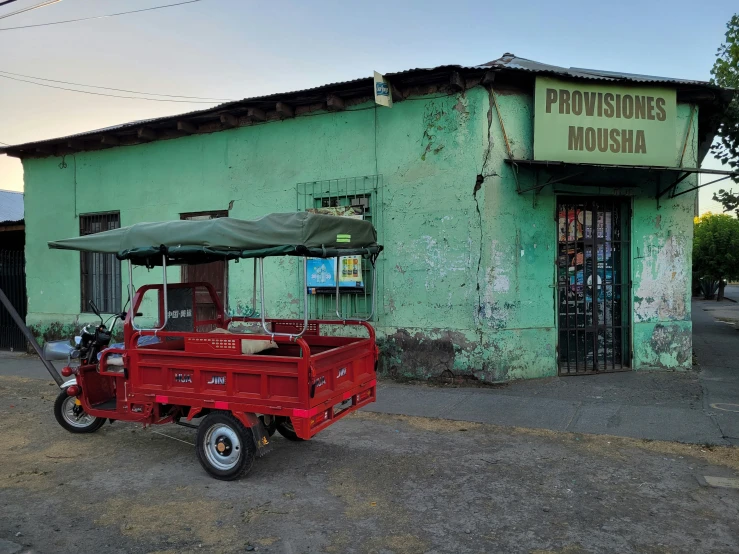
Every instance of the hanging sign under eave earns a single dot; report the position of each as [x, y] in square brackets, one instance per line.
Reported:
[383, 92]
[605, 123]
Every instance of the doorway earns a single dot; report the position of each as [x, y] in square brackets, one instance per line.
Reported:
[593, 285]
[215, 273]
[13, 284]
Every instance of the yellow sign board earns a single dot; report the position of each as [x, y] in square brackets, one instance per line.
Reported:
[580, 122]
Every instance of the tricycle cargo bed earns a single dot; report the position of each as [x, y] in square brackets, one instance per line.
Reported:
[300, 374]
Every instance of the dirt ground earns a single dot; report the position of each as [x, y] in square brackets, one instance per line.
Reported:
[371, 483]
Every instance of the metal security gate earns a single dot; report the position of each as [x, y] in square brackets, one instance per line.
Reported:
[593, 296]
[13, 284]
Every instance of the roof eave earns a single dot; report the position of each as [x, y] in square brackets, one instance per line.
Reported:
[340, 96]
[251, 111]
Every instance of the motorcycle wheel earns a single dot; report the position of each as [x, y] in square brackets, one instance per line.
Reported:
[72, 417]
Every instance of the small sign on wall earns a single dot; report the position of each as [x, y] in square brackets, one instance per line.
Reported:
[383, 94]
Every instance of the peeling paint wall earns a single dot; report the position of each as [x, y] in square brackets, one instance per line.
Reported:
[468, 272]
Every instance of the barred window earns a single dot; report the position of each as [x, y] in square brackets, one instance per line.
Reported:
[100, 273]
[354, 197]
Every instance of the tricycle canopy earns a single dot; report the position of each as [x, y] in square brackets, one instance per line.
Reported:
[195, 242]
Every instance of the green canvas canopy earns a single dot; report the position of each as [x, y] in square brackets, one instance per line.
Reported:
[194, 242]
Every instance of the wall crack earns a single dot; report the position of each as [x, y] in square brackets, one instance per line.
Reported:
[478, 185]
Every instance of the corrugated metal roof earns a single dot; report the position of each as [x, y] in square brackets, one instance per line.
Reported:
[194, 113]
[511, 61]
[11, 206]
[507, 62]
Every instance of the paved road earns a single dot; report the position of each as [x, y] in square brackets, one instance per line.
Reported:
[716, 344]
[22, 365]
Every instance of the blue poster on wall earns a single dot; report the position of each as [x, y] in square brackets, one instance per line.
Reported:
[321, 273]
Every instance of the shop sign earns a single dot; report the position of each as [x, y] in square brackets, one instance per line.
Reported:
[383, 96]
[581, 122]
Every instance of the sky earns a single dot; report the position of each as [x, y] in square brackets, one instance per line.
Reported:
[233, 49]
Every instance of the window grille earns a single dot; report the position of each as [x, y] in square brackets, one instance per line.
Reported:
[357, 196]
[100, 273]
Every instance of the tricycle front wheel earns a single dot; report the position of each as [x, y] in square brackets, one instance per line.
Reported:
[73, 417]
[225, 447]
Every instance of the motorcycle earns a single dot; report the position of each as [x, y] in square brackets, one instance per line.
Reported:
[84, 350]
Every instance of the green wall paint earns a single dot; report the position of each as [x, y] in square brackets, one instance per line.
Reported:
[468, 270]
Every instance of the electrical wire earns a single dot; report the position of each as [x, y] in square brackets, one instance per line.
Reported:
[109, 95]
[99, 16]
[116, 89]
[30, 8]
[7, 2]
[5, 143]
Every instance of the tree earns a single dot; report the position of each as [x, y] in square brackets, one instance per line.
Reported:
[725, 73]
[716, 249]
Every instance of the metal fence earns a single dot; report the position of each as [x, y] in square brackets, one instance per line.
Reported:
[13, 284]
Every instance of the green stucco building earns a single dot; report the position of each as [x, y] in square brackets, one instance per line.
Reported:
[536, 219]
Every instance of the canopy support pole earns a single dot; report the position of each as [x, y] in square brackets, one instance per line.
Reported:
[164, 292]
[305, 303]
[254, 288]
[30, 338]
[675, 183]
[373, 301]
[674, 194]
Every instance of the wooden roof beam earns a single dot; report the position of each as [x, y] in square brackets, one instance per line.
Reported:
[187, 127]
[229, 120]
[255, 114]
[334, 102]
[456, 82]
[147, 133]
[488, 78]
[76, 144]
[46, 150]
[284, 111]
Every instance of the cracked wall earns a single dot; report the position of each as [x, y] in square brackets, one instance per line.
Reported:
[468, 269]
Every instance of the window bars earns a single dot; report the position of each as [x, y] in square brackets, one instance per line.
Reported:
[348, 290]
[100, 274]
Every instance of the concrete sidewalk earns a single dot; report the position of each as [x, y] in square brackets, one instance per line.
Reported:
[657, 406]
[692, 407]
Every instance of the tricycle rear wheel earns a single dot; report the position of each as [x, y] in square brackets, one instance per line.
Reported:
[72, 417]
[286, 429]
[225, 446]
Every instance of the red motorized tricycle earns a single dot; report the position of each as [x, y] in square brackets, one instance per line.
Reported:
[289, 377]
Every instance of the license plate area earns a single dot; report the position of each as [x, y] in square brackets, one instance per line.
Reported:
[342, 406]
